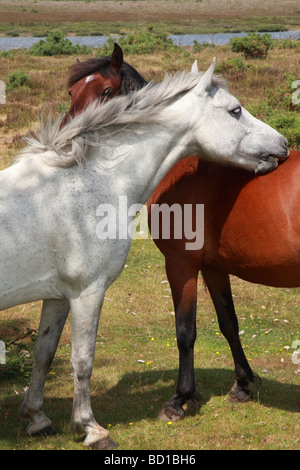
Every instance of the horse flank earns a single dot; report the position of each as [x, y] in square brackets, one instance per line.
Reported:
[99, 120]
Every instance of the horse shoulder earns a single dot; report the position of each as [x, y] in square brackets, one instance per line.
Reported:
[169, 186]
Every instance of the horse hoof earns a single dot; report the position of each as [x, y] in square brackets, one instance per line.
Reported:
[104, 444]
[168, 413]
[47, 431]
[196, 398]
[240, 394]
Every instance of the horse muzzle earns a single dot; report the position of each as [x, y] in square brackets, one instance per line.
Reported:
[268, 162]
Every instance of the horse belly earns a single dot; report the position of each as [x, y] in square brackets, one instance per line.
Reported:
[32, 291]
[27, 265]
[271, 263]
[27, 272]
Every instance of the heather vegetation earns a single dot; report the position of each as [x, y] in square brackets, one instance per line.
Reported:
[265, 85]
[85, 17]
[144, 43]
[253, 46]
[56, 44]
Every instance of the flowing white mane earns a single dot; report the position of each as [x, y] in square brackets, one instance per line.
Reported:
[70, 144]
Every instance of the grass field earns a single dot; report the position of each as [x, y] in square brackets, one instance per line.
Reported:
[137, 324]
[136, 362]
[173, 16]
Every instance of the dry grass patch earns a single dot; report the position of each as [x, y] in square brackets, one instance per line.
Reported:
[171, 15]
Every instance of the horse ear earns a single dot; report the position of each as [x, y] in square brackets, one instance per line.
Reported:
[117, 58]
[205, 81]
[194, 68]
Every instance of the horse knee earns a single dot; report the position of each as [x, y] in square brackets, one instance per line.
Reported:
[228, 329]
[186, 338]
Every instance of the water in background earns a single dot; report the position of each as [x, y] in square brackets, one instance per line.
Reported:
[224, 38]
[7, 44]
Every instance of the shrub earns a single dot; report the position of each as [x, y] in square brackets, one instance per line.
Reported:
[280, 112]
[287, 124]
[198, 47]
[232, 65]
[288, 44]
[17, 79]
[253, 46]
[281, 96]
[142, 43]
[56, 44]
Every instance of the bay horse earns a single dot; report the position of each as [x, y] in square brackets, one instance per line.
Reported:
[67, 257]
[251, 230]
[100, 79]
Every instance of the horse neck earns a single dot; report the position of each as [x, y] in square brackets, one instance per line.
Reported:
[146, 155]
[176, 144]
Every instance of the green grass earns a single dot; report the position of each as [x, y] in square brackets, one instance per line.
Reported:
[137, 324]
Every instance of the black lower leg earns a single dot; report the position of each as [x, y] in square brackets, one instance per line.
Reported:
[218, 284]
[186, 390]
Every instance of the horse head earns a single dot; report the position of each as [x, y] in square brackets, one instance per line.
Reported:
[229, 133]
[100, 79]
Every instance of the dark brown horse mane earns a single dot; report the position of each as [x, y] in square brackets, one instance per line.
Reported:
[132, 80]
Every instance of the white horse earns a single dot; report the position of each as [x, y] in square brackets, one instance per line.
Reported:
[50, 200]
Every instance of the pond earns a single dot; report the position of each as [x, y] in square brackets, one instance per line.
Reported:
[9, 43]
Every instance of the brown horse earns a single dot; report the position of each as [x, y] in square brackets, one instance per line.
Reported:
[251, 230]
[99, 79]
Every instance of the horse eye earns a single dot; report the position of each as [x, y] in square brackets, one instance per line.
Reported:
[107, 92]
[236, 111]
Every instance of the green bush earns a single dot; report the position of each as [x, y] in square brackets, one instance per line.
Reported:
[198, 47]
[279, 111]
[253, 46]
[17, 79]
[56, 44]
[288, 44]
[232, 65]
[281, 96]
[142, 43]
[287, 124]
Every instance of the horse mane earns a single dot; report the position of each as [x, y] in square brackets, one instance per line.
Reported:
[131, 79]
[72, 144]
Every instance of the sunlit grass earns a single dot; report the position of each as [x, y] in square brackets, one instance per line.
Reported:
[136, 367]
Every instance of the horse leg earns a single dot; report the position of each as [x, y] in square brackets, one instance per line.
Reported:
[218, 284]
[85, 313]
[183, 283]
[54, 314]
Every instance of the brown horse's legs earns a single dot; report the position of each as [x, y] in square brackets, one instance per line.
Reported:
[183, 283]
[218, 284]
